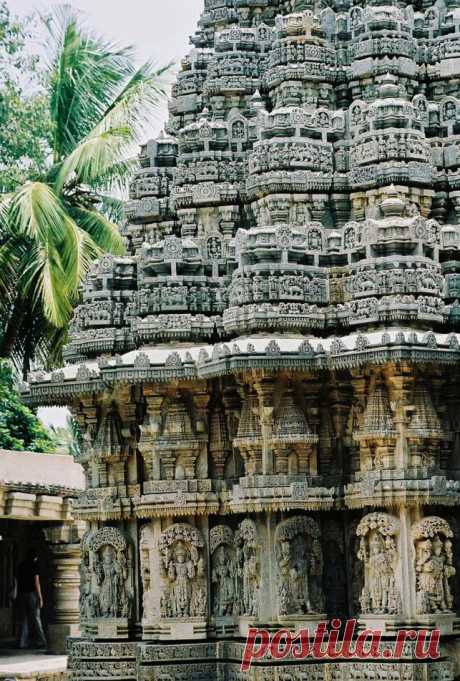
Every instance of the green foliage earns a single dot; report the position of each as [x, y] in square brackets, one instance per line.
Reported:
[54, 225]
[20, 429]
[25, 123]
[68, 439]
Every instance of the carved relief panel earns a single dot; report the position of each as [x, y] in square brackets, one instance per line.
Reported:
[434, 568]
[248, 568]
[224, 578]
[107, 594]
[300, 567]
[378, 551]
[183, 573]
[147, 555]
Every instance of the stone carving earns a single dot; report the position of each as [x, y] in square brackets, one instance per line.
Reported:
[224, 575]
[248, 568]
[88, 599]
[300, 567]
[377, 434]
[184, 592]
[146, 547]
[109, 560]
[378, 551]
[434, 568]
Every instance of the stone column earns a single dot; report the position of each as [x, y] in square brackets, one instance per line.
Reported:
[265, 390]
[406, 518]
[64, 545]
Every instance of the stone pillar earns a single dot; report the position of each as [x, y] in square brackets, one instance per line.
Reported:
[265, 389]
[64, 544]
[406, 518]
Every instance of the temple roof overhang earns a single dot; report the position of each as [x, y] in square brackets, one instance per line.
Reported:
[270, 352]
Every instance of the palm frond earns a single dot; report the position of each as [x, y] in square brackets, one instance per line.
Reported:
[86, 73]
[119, 129]
[138, 102]
[92, 158]
[103, 232]
[116, 178]
[60, 251]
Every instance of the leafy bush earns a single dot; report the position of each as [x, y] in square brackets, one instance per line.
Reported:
[20, 429]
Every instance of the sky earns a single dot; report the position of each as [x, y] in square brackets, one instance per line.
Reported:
[159, 29]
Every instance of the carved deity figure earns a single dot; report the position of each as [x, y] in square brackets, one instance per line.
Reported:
[107, 566]
[146, 550]
[293, 587]
[180, 573]
[300, 564]
[223, 578]
[110, 577]
[381, 576]
[89, 605]
[184, 591]
[433, 565]
[247, 568]
[378, 552]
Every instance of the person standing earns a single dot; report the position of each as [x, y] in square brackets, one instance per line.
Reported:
[30, 601]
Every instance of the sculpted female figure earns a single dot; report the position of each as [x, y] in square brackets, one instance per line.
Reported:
[381, 575]
[433, 574]
[378, 551]
[180, 572]
[110, 580]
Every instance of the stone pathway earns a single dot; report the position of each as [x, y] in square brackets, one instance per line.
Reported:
[30, 664]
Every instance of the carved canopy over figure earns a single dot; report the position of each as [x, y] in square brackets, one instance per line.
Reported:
[300, 566]
[183, 572]
[377, 550]
[432, 538]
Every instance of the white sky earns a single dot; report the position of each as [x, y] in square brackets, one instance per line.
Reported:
[159, 29]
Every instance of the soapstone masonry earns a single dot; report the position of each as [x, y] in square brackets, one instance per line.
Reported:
[267, 383]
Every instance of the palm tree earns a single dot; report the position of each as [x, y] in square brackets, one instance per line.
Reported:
[54, 226]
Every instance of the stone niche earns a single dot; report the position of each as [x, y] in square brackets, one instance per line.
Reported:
[299, 563]
[174, 581]
[435, 572]
[238, 579]
[224, 579]
[380, 599]
[107, 587]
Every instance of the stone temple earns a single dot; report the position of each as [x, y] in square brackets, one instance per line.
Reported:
[267, 383]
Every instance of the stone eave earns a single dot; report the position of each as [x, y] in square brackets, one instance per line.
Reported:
[31, 488]
[266, 352]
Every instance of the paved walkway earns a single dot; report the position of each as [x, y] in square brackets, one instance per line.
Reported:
[20, 663]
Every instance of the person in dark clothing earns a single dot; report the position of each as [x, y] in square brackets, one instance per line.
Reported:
[30, 601]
